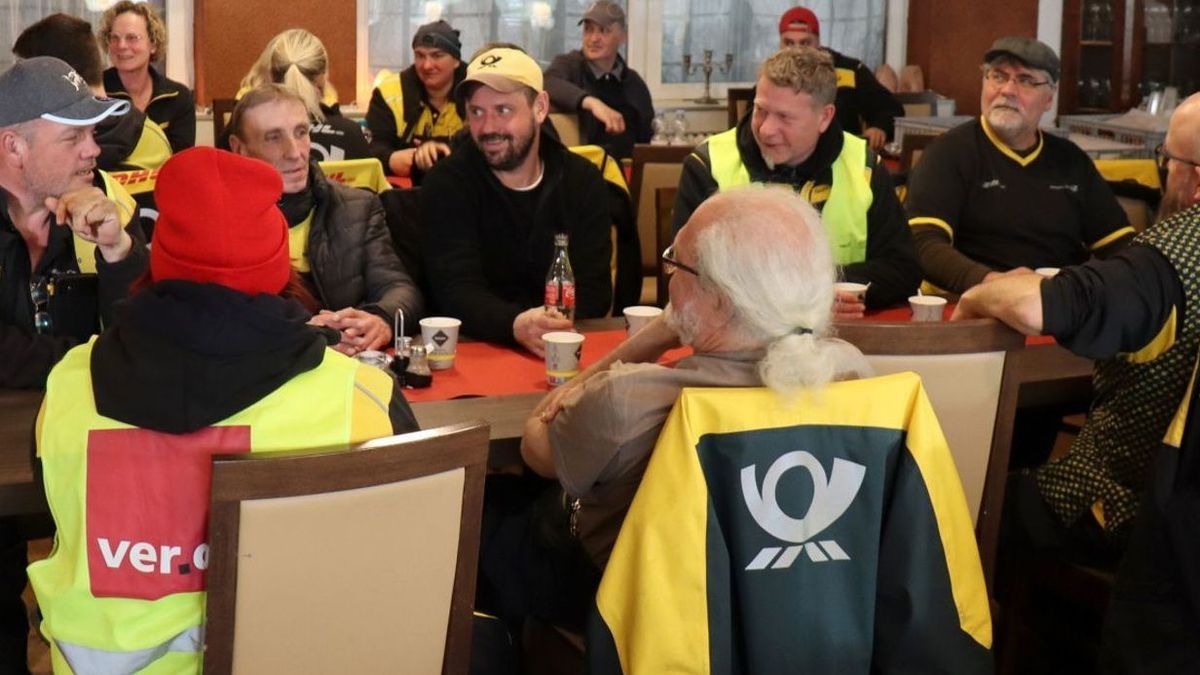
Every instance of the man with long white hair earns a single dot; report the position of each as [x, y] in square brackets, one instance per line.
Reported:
[751, 292]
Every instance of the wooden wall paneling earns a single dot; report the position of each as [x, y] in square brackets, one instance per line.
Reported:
[948, 39]
[230, 34]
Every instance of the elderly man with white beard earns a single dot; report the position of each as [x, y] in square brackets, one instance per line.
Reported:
[997, 196]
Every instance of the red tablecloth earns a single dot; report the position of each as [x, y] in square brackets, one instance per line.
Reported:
[905, 314]
[482, 369]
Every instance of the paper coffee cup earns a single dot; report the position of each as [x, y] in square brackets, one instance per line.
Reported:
[927, 307]
[439, 334]
[859, 291]
[1048, 272]
[638, 316]
[563, 350]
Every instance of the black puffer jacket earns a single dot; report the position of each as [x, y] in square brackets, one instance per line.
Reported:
[351, 255]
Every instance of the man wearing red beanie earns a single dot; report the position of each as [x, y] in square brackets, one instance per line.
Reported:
[863, 105]
[213, 355]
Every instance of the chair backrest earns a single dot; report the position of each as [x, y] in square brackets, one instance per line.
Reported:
[919, 103]
[654, 166]
[910, 152]
[962, 366]
[664, 208]
[366, 173]
[759, 513]
[567, 126]
[738, 102]
[222, 110]
[363, 558]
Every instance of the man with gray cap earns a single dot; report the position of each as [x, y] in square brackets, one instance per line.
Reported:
[56, 222]
[501, 200]
[996, 195]
[413, 114]
[612, 100]
[54, 225]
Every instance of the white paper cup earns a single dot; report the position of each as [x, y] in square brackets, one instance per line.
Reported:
[439, 334]
[927, 307]
[563, 350]
[638, 316]
[1048, 272]
[859, 291]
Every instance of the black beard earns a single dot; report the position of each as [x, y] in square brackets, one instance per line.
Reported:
[510, 159]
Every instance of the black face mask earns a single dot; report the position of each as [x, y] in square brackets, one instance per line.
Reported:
[296, 207]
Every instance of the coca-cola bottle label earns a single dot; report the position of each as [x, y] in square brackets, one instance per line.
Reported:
[567, 301]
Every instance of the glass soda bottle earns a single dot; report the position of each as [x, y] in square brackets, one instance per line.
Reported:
[560, 281]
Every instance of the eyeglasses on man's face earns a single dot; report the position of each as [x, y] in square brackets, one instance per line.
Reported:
[1025, 82]
[670, 262]
[1164, 158]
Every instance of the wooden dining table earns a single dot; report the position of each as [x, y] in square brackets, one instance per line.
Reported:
[502, 385]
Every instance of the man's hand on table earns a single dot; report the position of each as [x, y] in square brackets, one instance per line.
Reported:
[361, 331]
[1016, 271]
[533, 323]
[848, 305]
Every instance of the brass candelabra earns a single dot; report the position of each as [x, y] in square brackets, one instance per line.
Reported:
[707, 68]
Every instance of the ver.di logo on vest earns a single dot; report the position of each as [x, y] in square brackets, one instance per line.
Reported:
[832, 495]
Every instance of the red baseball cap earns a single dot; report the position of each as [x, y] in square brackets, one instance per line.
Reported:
[801, 15]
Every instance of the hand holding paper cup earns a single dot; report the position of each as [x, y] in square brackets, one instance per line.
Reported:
[638, 316]
[439, 334]
[563, 350]
[927, 307]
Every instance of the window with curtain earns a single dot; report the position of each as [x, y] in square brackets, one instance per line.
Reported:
[749, 29]
[16, 15]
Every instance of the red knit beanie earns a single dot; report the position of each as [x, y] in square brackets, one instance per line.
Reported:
[218, 222]
[799, 15]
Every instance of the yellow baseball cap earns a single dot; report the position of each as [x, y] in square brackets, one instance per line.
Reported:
[504, 69]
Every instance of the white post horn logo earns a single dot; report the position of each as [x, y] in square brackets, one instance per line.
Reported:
[831, 497]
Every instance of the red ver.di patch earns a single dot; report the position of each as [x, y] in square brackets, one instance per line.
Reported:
[147, 508]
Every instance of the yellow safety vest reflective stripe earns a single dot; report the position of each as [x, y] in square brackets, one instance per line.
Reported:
[844, 212]
[151, 615]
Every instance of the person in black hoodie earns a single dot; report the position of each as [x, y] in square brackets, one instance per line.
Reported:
[127, 142]
[492, 209]
[215, 354]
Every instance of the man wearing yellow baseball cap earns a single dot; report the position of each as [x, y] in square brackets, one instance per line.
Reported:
[492, 210]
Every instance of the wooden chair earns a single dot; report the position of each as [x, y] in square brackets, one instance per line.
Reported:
[222, 110]
[910, 152]
[964, 367]
[739, 100]
[664, 208]
[654, 166]
[361, 559]
[918, 104]
[567, 126]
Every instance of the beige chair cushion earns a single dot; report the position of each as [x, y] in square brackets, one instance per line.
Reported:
[964, 390]
[369, 570]
[567, 126]
[654, 176]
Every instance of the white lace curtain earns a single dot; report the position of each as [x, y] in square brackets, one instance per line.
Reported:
[16, 15]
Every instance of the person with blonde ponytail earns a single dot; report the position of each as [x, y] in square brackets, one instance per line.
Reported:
[752, 293]
[297, 60]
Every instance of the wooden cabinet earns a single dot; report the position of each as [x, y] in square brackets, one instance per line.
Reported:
[1097, 56]
[1116, 52]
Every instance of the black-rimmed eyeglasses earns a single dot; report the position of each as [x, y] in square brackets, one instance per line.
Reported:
[39, 294]
[1163, 157]
[670, 263]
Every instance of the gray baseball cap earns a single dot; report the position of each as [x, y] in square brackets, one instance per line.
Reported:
[1029, 51]
[604, 13]
[48, 88]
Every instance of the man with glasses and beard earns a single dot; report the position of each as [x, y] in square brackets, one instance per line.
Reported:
[492, 209]
[1138, 313]
[996, 195]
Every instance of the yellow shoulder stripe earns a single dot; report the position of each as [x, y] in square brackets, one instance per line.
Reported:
[1157, 346]
[936, 222]
[1113, 236]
